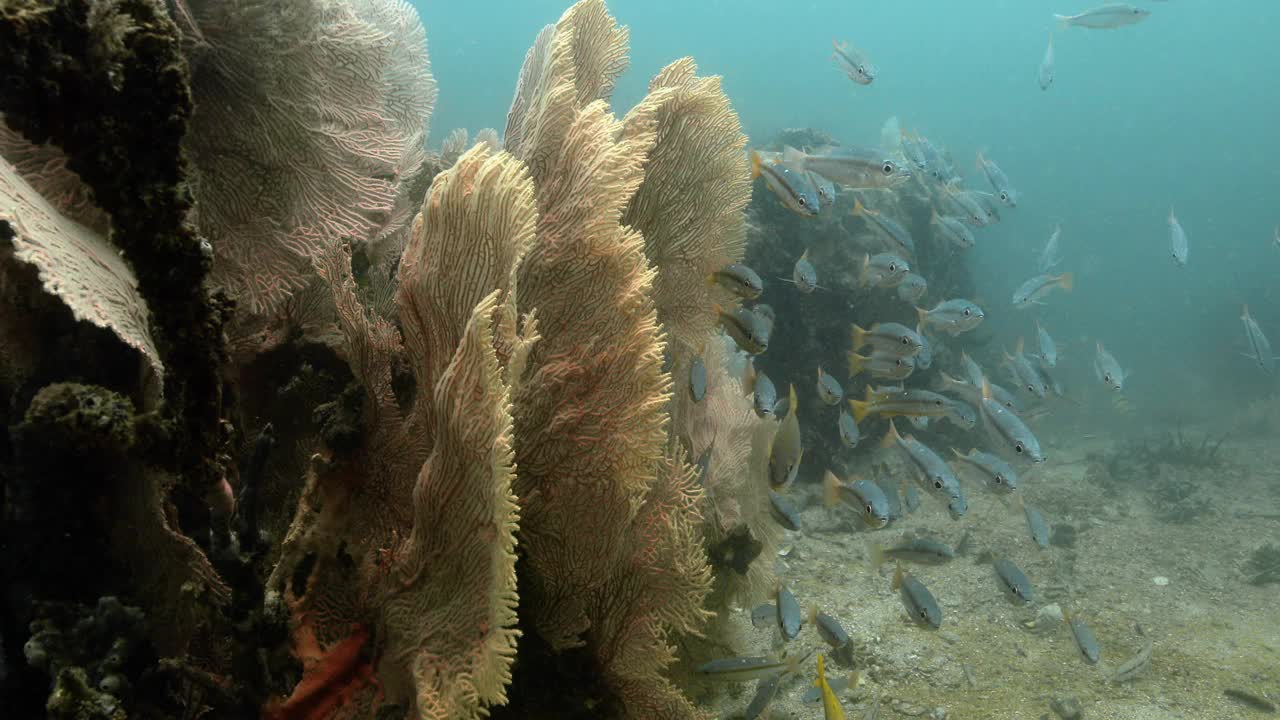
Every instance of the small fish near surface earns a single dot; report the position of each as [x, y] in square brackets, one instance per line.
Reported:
[1178, 246]
[1045, 74]
[893, 338]
[1015, 583]
[1030, 292]
[954, 231]
[881, 364]
[1104, 17]
[1108, 370]
[863, 495]
[747, 329]
[1049, 256]
[1048, 348]
[786, 452]
[900, 240]
[1026, 372]
[790, 185]
[882, 270]
[804, 275]
[998, 180]
[922, 551]
[830, 391]
[858, 168]
[853, 62]
[1000, 475]
[919, 602]
[848, 427]
[1259, 346]
[912, 288]
[739, 280]
[1086, 642]
[952, 316]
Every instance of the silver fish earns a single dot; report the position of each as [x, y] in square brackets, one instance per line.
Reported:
[767, 315]
[912, 288]
[920, 604]
[765, 396]
[1045, 75]
[1014, 582]
[922, 551]
[766, 691]
[746, 328]
[1036, 525]
[784, 511]
[1178, 241]
[972, 371]
[911, 402]
[830, 391]
[790, 185]
[924, 358]
[739, 280]
[889, 337]
[899, 237]
[1048, 348]
[853, 62]
[825, 188]
[804, 274]
[1108, 370]
[1259, 346]
[1006, 426]
[998, 180]
[743, 669]
[973, 394]
[851, 167]
[863, 495]
[952, 316]
[1000, 475]
[881, 364]
[1026, 372]
[829, 629]
[955, 231]
[1049, 255]
[789, 616]
[1030, 292]
[1105, 17]
[961, 414]
[786, 452]
[849, 433]
[882, 270]
[697, 379]
[938, 474]
[1085, 639]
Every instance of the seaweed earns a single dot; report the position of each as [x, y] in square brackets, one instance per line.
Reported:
[1141, 458]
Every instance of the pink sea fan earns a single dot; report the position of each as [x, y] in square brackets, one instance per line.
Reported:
[310, 117]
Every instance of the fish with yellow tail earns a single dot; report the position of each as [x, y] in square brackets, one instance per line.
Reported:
[790, 185]
[786, 452]
[831, 709]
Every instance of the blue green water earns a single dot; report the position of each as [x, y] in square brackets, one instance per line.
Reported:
[1175, 111]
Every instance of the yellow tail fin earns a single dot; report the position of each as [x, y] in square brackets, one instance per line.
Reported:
[855, 363]
[1066, 280]
[830, 490]
[861, 408]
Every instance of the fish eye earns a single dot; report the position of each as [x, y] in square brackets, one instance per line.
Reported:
[868, 508]
[999, 479]
[893, 267]
[887, 168]
[1031, 388]
[967, 312]
[802, 201]
[906, 340]
[937, 483]
[1018, 448]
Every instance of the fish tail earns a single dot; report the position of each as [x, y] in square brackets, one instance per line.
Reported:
[859, 335]
[891, 438]
[860, 409]
[923, 315]
[830, 490]
[755, 164]
[866, 270]
[877, 556]
[858, 207]
[711, 279]
[1064, 21]
[1245, 313]
[897, 576]
[855, 363]
[1066, 280]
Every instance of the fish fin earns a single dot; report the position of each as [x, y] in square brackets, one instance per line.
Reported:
[749, 377]
[858, 207]
[793, 158]
[1245, 313]
[805, 255]
[1017, 349]
[755, 164]
[717, 308]
[859, 334]
[922, 314]
[891, 438]
[866, 270]
[897, 576]
[855, 363]
[1064, 21]
[830, 490]
[860, 409]
[982, 162]
[711, 279]
[986, 389]
[1066, 280]
[795, 405]
[877, 555]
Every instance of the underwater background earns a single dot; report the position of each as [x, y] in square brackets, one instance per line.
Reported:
[615, 359]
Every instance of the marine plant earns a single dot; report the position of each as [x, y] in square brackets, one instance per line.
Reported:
[498, 419]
